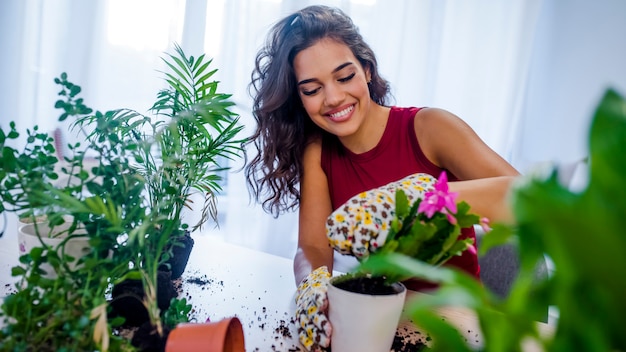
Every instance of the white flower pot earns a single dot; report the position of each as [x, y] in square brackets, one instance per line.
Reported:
[364, 322]
[75, 247]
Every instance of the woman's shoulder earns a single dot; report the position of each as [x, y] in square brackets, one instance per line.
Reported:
[313, 147]
[439, 131]
[428, 117]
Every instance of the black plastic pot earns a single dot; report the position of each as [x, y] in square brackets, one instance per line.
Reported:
[127, 299]
[181, 251]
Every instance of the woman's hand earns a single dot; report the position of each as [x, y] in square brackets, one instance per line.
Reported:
[314, 329]
[360, 226]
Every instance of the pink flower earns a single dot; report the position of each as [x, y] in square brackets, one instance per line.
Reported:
[484, 223]
[472, 249]
[439, 200]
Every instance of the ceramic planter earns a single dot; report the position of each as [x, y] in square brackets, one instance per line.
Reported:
[75, 247]
[225, 335]
[364, 322]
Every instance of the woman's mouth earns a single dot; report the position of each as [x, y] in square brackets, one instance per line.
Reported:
[341, 115]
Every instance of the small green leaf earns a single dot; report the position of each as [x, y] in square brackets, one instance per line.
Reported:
[402, 204]
[36, 253]
[17, 271]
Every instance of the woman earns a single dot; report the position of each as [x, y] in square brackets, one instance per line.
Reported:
[325, 134]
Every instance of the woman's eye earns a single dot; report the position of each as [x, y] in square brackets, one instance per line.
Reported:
[346, 79]
[310, 92]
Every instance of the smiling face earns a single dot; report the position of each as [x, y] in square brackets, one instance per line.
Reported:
[332, 85]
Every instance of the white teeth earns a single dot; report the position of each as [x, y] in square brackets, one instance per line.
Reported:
[342, 112]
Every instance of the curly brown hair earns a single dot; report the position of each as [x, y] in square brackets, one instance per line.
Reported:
[283, 126]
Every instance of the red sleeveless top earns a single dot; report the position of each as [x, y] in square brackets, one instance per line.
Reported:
[396, 156]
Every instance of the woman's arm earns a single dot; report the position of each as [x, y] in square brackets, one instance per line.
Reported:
[488, 197]
[315, 207]
[448, 142]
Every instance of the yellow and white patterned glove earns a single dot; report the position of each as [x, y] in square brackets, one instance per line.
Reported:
[360, 226]
[312, 308]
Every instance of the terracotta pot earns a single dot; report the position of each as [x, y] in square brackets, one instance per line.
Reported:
[364, 322]
[225, 335]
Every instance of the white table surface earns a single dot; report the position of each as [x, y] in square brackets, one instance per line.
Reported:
[224, 280]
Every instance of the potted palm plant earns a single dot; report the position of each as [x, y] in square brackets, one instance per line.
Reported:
[182, 148]
[128, 200]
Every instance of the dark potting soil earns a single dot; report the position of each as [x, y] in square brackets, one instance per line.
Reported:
[367, 285]
[181, 251]
[10, 289]
[147, 339]
[126, 298]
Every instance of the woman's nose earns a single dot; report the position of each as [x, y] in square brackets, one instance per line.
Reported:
[334, 95]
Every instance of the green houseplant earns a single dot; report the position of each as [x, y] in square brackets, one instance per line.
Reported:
[579, 230]
[125, 186]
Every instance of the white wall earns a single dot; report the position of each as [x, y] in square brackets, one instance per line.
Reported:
[581, 52]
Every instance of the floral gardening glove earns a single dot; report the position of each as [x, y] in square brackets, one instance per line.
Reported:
[311, 308]
[360, 226]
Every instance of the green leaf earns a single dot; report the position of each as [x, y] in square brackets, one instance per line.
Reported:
[8, 159]
[458, 247]
[13, 134]
[36, 253]
[131, 275]
[17, 271]
[402, 266]
[606, 143]
[75, 90]
[402, 204]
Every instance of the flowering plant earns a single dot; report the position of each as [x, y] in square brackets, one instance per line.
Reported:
[429, 228]
[416, 216]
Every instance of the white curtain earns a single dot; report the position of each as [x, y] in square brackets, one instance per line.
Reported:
[471, 58]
